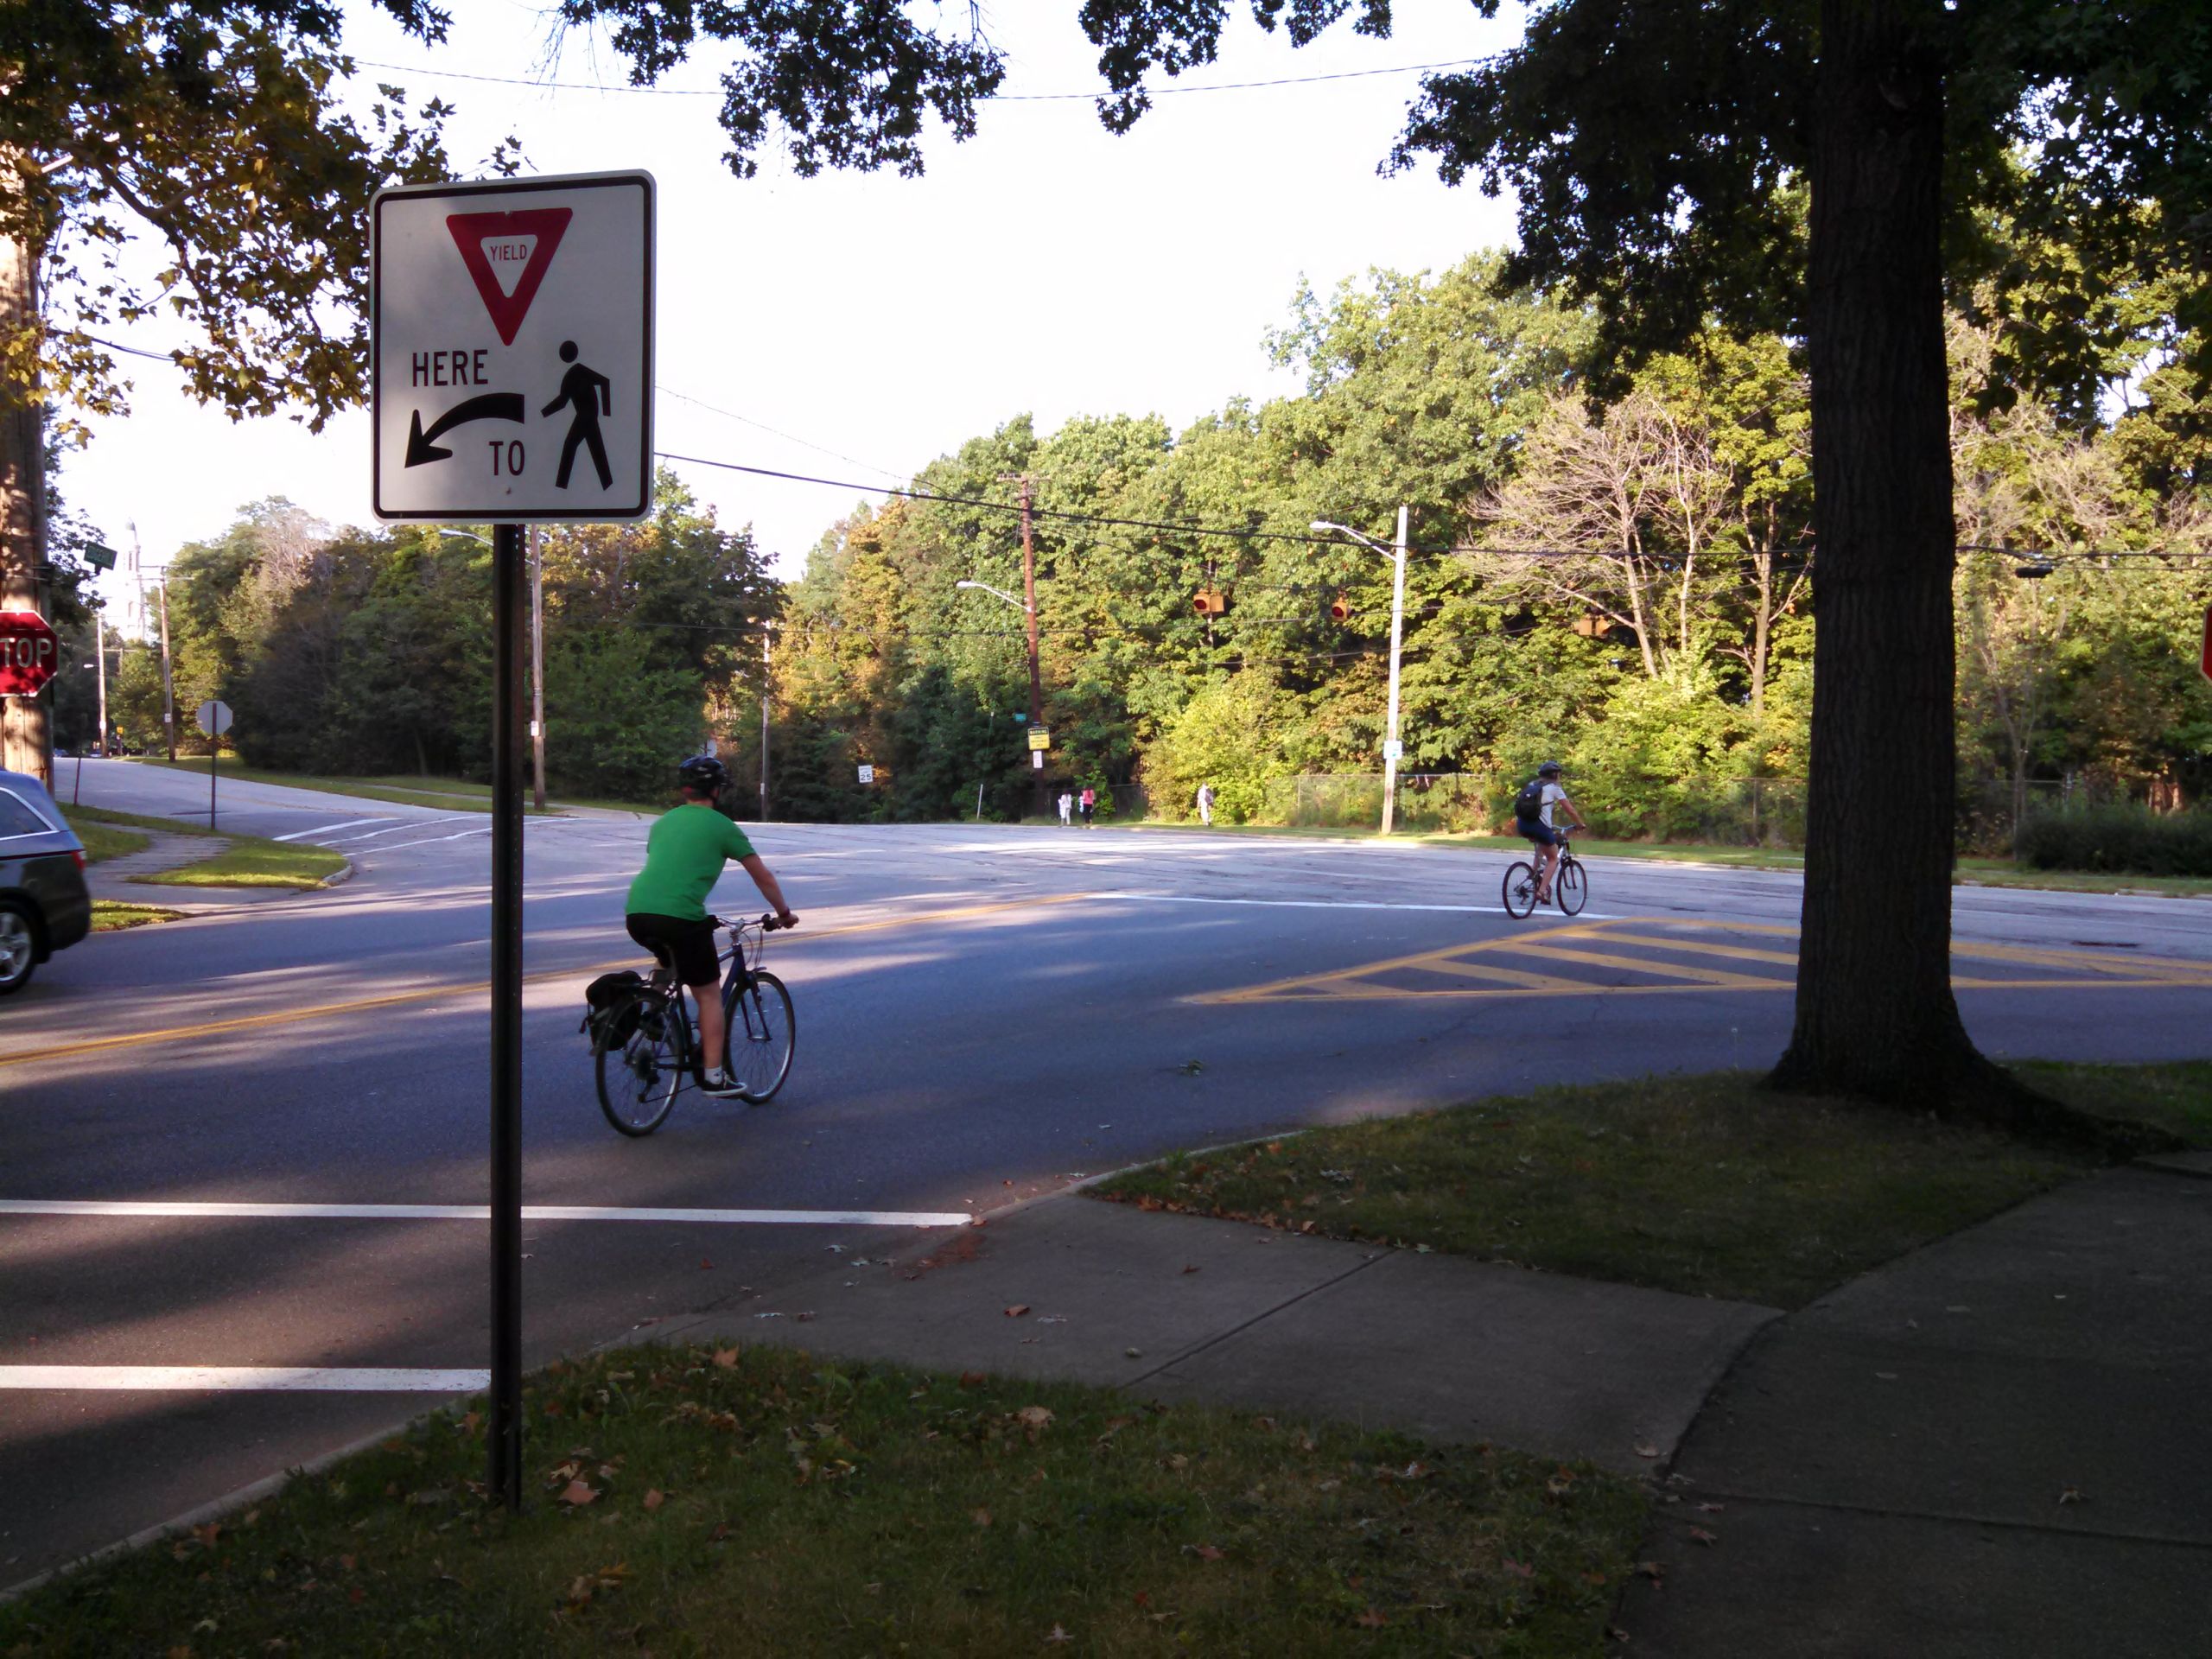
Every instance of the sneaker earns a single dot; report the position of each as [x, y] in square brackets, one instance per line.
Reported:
[721, 1085]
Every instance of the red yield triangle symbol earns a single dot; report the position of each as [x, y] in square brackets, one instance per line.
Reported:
[507, 256]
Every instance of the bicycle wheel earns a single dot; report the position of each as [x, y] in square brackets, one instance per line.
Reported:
[1520, 890]
[763, 1034]
[639, 1080]
[1569, 887]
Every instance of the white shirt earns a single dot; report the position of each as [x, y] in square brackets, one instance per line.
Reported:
[1552, 792]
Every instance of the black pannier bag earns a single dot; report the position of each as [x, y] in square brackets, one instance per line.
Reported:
[612, 1003]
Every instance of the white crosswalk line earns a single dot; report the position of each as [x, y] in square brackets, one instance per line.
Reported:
[283, 1379]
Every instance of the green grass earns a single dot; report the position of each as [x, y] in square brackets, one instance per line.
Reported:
[108, 916]
[2004, 873]
[103, 839]
[2175, 1096]
[253, 862]
[685, 1501]
[1709, 1185]
[448, 794]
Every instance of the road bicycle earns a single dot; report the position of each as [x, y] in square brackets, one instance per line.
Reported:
[1570, 884]
[643, 1065]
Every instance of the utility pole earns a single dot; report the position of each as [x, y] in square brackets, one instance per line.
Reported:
[537, 673]
[99, 656]
[767, 665]
[1039, 805]
[1391, 749]
[169, 690]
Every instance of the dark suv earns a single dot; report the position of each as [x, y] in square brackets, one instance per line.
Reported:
[44, 906]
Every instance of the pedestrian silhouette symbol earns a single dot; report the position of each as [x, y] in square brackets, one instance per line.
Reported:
[588, 394]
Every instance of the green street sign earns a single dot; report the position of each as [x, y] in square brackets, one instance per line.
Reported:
[103, 558]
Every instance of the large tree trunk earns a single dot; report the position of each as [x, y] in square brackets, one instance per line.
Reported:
[1875, 1013]
[25, 732]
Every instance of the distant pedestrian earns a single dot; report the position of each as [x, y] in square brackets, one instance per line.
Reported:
[1090, 804]
[1206, 804]
[1067, 809]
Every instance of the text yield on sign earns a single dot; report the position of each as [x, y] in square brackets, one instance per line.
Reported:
[511, 349]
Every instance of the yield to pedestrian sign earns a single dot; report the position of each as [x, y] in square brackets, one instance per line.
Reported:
[511, 349]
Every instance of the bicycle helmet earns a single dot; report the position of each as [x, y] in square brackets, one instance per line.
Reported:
[703, 775]
[1549, 769]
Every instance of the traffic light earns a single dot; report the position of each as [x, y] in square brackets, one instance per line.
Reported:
[1340, 607]
[1209, 601]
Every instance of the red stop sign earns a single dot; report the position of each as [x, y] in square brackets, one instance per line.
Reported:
[28, 653]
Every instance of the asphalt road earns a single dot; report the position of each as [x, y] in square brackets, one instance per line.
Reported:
[984, 1013]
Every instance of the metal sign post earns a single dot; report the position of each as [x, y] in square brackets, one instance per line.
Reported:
[511, 382]
[214, 720]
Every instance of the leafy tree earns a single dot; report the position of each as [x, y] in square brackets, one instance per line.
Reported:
[212, 127]
[1665, 157]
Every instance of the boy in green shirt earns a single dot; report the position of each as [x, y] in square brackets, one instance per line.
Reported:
[666, 911]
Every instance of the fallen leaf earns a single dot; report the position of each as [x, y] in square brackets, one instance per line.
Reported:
[652, 1499]
[1645, 1450]
[1520, 1569]
[1057, 1635]
[1034, 1418]
[973, 1379]
[576, 1494]
[1652, 1570]
[1204, 1552]
[1711, 1509]
[472, 1422]
[981, 1518]
[1371, 1620]
[726, 1358]
[1190, 1269]
[1703, 1536]
[2071, 1495]
[1016, 1313]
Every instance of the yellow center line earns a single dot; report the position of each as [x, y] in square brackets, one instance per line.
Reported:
[480, 988]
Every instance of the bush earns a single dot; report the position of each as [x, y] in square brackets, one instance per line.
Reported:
[2129, 839]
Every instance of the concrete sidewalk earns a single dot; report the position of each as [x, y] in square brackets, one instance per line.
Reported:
[1998, 1446]
[1179, 1307]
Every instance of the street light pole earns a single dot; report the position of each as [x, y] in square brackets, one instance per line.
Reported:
[767, 668]
[168, 692]
[1391, 747]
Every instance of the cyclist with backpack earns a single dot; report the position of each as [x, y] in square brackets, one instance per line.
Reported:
[666, 911]
[1531, 817]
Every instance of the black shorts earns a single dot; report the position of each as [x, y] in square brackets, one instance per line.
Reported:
[688, 945]
[1538, 831]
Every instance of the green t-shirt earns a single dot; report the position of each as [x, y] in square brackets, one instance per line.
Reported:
[683, 860]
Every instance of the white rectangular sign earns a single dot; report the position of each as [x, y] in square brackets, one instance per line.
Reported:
[511, 349]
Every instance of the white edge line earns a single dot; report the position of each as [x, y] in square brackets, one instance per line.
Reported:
[135, 1207]
[266, 1379]
[324, 830]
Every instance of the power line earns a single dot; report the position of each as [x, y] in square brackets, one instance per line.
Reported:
[1181, 528]
[987, 97]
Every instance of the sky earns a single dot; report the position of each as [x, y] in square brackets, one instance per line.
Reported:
[855, 326]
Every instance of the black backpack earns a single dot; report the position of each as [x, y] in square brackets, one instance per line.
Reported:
[1529, 804]
[612, 1003]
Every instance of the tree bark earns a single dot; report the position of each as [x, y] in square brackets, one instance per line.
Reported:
[1875, 1014]
[26, 733]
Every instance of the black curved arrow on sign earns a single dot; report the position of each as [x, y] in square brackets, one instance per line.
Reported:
[422, 446]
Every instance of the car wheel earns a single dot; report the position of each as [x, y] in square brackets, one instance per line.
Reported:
[18, 947]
